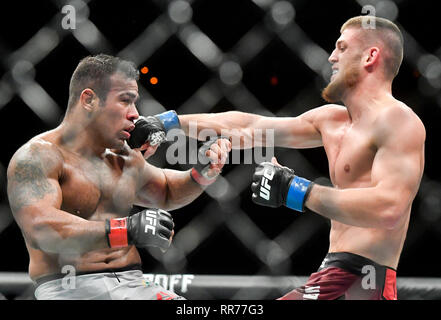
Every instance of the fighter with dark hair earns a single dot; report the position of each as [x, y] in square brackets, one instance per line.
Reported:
[71, 190]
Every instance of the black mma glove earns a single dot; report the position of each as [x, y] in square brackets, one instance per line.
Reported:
[147, 228]
[274, 186]
[199, 172]
[153, 129]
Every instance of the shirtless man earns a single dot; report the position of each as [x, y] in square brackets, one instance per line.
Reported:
[71, 189]
[375, 150]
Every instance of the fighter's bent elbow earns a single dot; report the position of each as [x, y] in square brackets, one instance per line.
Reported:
[44, 237]
[54, 237]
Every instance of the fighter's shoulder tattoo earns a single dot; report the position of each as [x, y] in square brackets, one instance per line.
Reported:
[28, 175]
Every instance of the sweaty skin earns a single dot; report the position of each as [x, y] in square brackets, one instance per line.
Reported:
[375, 150]
[64, 183]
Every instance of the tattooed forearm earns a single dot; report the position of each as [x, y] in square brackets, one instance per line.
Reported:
[27, 183]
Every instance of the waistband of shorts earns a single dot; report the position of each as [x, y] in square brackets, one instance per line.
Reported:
[39, 281]
[351, 262]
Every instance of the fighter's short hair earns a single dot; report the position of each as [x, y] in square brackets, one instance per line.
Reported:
[383, 30]
[94, 72]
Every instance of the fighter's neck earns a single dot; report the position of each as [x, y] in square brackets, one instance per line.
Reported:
[79, 139]
[364, 99]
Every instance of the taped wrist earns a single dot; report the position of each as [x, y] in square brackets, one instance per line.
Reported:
[116, 232]
[298, 193]
[169, 120]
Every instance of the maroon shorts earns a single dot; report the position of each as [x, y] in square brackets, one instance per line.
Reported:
[347, 276]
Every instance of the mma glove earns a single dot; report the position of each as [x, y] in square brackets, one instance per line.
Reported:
[147, 228]
[199, 172]
[274, 186]
[153, 129]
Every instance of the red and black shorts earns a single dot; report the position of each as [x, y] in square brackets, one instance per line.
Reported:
[347, 276]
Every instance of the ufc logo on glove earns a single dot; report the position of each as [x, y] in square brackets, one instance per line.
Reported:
[274, 186]
[150, 216]
[265, 187]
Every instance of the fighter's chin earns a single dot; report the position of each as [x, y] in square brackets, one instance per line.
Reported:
[333, 92]
[118, 144]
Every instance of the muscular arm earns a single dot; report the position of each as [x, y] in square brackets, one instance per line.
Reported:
[291, 132]
[167, 189]
[396, 174]
[171, 189]
[35, 198]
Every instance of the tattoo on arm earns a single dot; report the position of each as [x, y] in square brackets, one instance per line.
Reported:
[28, 183]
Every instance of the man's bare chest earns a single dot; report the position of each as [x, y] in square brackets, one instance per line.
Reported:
[350, 151]
[93, 187]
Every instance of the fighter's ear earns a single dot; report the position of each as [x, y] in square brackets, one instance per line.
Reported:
[372, 57]
[88, 99]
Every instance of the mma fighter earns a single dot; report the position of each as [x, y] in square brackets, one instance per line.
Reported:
[71, 189]
[375, 150]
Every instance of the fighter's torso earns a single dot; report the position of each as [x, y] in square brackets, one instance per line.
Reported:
[93, 189]
[351, 149]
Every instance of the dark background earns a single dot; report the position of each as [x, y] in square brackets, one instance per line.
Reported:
[220, 233]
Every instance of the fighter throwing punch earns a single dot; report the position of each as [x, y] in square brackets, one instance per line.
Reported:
[70, 189]
[375, 149]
